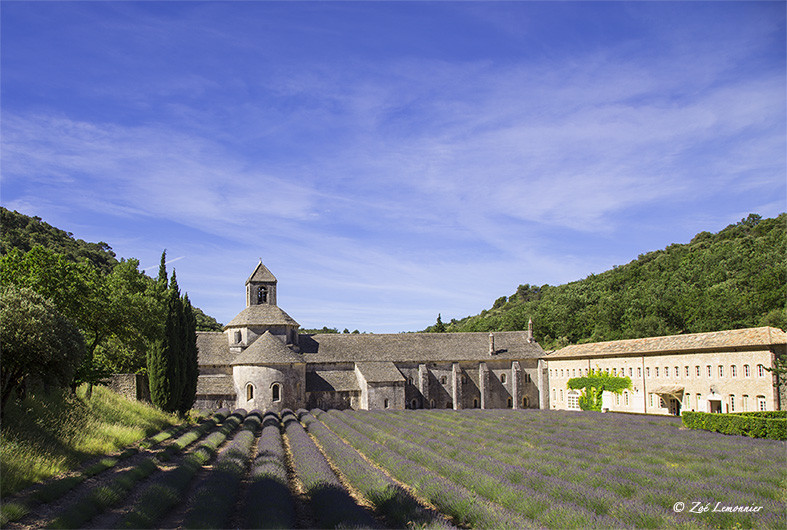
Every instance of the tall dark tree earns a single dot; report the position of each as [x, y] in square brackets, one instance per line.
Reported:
[439, 327]
[162, 269]
[191, 366]
[164, 357]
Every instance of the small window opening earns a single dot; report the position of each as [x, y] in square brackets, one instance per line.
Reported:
[503, 378]
[276, 392]
[249, 392]
[262, 295]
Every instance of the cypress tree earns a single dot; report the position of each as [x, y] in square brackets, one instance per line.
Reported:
[162, 269]
[191, 367]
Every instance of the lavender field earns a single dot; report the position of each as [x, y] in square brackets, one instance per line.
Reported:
[427, 468]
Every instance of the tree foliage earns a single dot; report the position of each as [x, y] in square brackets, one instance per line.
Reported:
[39, 344]
[736, 278]
[121, 312]
[594, 385]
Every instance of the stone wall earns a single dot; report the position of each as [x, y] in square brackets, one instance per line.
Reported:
[132, 386]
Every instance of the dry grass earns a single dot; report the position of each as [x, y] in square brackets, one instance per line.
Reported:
[46, 435]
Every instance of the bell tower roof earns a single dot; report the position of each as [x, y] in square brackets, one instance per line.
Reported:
[262, 275]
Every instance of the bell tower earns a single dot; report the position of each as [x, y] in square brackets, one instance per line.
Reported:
[261, 287]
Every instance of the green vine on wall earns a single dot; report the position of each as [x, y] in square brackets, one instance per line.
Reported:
[593, 386]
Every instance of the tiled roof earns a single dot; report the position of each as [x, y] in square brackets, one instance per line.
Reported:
[379, 372]
[331, 380]
[419, 347]
[717, 340]
[261, 315]
[213, 348]
[261, 274]
[267, 349]
[218, 384]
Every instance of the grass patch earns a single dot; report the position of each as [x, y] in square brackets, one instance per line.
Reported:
[48, 434]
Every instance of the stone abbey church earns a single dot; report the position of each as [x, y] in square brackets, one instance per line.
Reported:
[261, 361]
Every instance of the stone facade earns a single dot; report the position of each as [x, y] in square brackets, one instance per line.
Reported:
[132, 386]
[723, 371]
[261, 361]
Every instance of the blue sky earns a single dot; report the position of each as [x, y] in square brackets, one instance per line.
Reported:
[391, 161]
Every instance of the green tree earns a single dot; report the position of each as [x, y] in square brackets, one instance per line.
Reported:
[190, 358]
[593, 386]
[39, 344]
[162, 269]
[439, 327]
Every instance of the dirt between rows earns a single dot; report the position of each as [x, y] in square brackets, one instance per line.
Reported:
[43, 515]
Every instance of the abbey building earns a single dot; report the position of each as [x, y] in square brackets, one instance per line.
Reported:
[261, 361]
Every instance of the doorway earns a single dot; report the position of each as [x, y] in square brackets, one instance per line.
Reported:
[674, 406]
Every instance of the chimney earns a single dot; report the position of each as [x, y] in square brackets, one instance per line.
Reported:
[530, 330]
[491, 343]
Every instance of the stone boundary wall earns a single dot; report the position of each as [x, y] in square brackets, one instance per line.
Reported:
[131, 386]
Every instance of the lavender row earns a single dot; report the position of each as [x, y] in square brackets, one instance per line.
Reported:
[160, 497]
[655, 492]
[492, 485]
[331, 503]
[269, 503]
[569, 484]
[215, 500]
[388, 497]
[456, 501]
[84, 508]
[732, 477]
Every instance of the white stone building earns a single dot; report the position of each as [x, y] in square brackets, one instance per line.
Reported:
[723, 371]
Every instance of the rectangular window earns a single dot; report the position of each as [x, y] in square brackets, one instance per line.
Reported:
[626, 397]
[647, 371]
[687, 400]
[614, 371]
[745, 402]
[651, 399]
[746, 371]
[698, 371]
[573, 401]
[639, 372]
[760, 372]
[657, 371]
[710, 371]
[733, 371]
[732, 403]
[631, 372]
[617, 399]
[761, 405]
[561, 395]
[666, 371]
[721, 371]
[677, 372]
[687, 371]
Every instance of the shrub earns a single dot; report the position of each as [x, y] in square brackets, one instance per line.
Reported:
[754, 424]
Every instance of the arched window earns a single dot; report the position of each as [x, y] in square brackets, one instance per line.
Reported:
[249, 392]
[475, 403]
[746, 371]
[510, 403]
[414, 404]
[385, 403]
[443, 380]
[276, 392]
[262, 295]
[760, 371]
[524, 402]
[431, 403]
[503, 378]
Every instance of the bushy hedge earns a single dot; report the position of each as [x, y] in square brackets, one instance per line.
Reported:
[755, 424]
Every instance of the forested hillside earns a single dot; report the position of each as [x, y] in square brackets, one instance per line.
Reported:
[71, 313]
[24, 232]
[735, 278]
